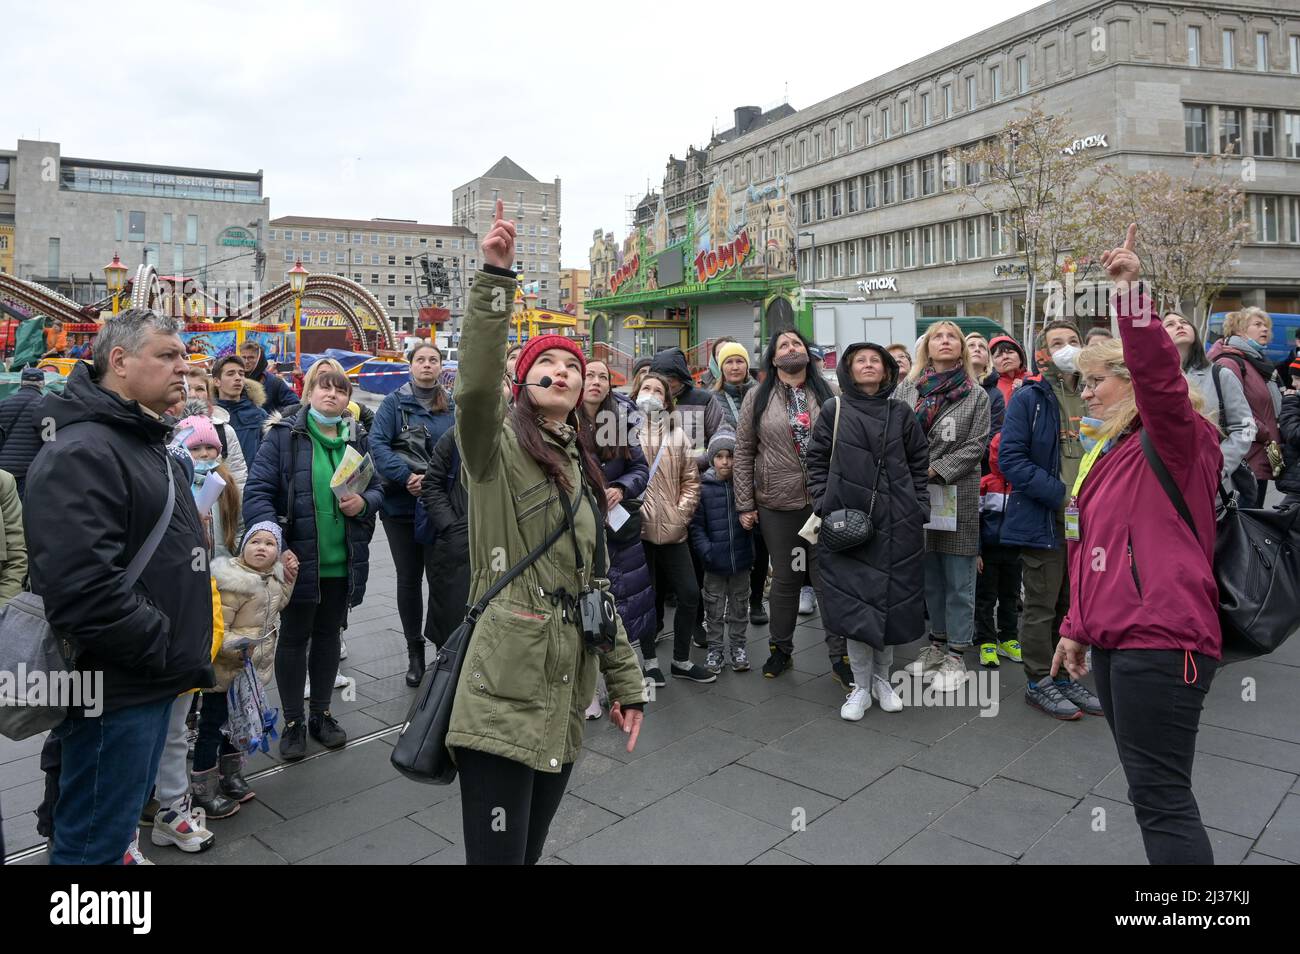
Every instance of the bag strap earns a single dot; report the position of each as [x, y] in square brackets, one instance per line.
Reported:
[655, 466]
[150, 546]
[1216, 369]
[1167, 482]
[880, 463]
[478, 608]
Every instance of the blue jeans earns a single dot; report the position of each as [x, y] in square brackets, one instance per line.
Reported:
[109, 765]
[950, 597]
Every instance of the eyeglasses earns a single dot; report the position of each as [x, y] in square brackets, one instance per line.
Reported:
[1094, 382]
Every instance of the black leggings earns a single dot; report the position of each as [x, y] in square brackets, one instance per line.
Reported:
[506, 807]
[414, 564]
[671, 562]
[213, 713]
[309, 640]
[758, 575]
[1152, 699]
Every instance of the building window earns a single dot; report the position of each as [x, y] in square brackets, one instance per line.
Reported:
[1291, 136]
[848, 134]
[947, 101]
[832, 141]
[1264, 214]
[340, 258]
[927, 245]
[884, 123]
[1229, 49]
[406, 279]
[971, 171]
[134, 228]
[288, 255]
[853, 257]
[52, 259]
[1293, 220]
[1263, 133]
[851, 195]
[908, 179]
[788, 153]
[1230, 131]
[995, 234]
[342, 239]
[119, 226]
[374, 259]
[821, 204]
[907, 115]
[949, 242]
[949, 172]
[1194, 129]
[887, 186]
[1022, 74]
[868, 256]
[909, 251]
[374, 278]
[167, 227]
[805, 214]
[888, 242]
[1295, 54]
[869, 191]
[306, 257]
[803, 152]
[392, 260]
[374, 240]
[972, 238]
[837, 259]
[821, 262]
[970, 92]
[836, 209]
[928, 177]
[392, 241]
[1193, 46]
[925, 109]
[358, 239]
[271, 234]
[868, 128]
[995, 80]
[749, 171]
[1261, 52]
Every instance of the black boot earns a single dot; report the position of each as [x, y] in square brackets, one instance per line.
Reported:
[206, 794]
[233, 784]
[415, 672]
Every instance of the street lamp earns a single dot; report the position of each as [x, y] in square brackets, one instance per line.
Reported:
[115, 279]
[297, 284]
[813, 270]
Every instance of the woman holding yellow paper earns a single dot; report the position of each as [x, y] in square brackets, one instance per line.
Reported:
[289, 484]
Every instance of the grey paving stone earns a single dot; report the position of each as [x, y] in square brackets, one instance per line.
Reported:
[226, 851]
[589, 766]
[1255, 858]
[386, 688]
[876, 821]
[1016, 717]
[775, 857]
[926, 724]
[679, 829]
[575, 820]
[385, 666]
[1071, 761]
[23, 799]
[400, 842]
[552, 860]
[331, 824]
[1006, 816]
[972, 754]
[251, 818]
[931, 847]
[631, 787]
[1281, 839]
[769, 799]
[12, 751]
[1232, 796]
[309, 785]
[814, 660]
[451, 855]
[774, 718]
[1248, 747]
[392, 712]
[18, 772]
[1275, 711]
[20, 833]
[832, 756]
[821, 689]
[751, 687]
[443, 818]
[663, 726]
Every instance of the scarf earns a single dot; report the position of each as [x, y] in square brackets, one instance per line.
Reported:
[1253, 352]
[425, 396]
[935, 389]
[800, 419]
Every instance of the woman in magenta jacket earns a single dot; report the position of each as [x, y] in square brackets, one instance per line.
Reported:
[1142, 586]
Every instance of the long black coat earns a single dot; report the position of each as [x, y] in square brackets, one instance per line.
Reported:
[875, 593]
[446, 501]
[22, 436]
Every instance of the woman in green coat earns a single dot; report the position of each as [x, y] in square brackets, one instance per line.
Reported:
[517, 722]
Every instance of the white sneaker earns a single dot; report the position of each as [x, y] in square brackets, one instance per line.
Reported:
[856, 705]
[133, 855]
[594, 711]
[950, 674]
[807, 601]
[884, 693]
[183, 826]
[343, 649]
[928, 661]
[340, 681]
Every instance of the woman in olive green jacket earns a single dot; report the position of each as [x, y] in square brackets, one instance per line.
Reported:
[13, 545]
[517, 721]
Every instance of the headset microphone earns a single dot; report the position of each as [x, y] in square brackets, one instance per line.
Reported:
[544, 382]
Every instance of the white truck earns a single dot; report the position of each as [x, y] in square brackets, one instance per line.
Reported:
[838, 324]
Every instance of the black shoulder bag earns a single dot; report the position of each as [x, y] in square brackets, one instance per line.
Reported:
[1255, 566]
[847, 528]
[421, 750]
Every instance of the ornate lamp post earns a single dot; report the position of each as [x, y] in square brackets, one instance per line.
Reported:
[297, 284]
[115, 279]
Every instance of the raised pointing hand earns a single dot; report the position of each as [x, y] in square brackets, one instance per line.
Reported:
[1122, 263]
[499, 244]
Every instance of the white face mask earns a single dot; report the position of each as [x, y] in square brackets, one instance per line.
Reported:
[649, 404]
[1066, 359]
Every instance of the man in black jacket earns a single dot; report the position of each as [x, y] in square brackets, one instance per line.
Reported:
[446, 501]
[279, 396]
[102, 484]
[22, 438]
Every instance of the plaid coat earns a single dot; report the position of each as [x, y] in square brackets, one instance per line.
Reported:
[958, 440]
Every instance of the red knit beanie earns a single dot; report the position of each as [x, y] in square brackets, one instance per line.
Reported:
[535, 346]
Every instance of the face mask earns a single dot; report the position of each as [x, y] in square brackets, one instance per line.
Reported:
[205, 466]
[714, 369]
[792, 361]
[649, 404]
[1066, 357]
[1089, 431]
[320, 418]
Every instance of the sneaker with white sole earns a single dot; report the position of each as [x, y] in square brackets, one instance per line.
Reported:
[340, 681]
[807, 601]
[883, 692]
[928, 661]
[133, 855]
[343, 649]
[714, 661]
[594, 711]
[182, 826]
[655, 676]
[950, 674]
[693, 672]
[856, 705]
[739, 659]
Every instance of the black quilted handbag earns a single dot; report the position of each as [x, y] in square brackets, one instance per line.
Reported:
[847, 528]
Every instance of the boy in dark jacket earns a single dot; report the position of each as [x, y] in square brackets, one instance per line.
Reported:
[1289, 424]
[726, 550]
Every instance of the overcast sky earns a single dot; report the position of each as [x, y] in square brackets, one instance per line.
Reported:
[360, 110]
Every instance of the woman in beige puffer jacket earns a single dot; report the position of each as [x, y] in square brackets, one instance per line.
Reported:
[666, 510]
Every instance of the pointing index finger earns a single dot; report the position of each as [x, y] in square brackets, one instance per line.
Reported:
[501, 209]
[1131, 238]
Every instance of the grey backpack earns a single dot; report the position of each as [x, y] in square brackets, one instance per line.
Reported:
[36, 663]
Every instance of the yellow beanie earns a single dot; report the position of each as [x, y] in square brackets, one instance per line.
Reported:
[355, 410]
[732, 350]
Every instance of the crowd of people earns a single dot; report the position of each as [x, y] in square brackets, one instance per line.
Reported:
[952, 492]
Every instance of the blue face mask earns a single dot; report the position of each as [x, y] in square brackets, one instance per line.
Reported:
[206, 466]
[320, 418]
[1089, 427]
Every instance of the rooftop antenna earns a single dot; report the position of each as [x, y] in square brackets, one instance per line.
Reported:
[787, 91]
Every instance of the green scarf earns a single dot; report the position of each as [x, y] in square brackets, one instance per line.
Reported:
[331, 531]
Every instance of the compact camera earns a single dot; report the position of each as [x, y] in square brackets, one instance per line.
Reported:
[598, 620]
